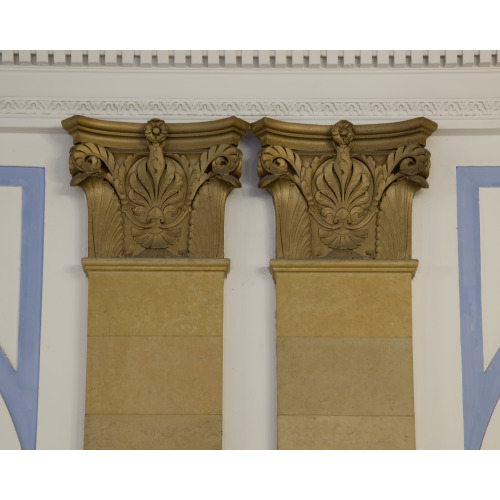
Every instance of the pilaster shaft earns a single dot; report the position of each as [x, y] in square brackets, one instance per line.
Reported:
[344, 354]
[154, 353]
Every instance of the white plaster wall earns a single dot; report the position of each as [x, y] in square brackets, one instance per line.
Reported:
[10, 272]
[34, 138]
[436, 315]
[249, 396]
[10, 269]
[489, 208]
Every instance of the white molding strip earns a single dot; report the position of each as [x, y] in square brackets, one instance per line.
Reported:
[254, 59]
[126, 109]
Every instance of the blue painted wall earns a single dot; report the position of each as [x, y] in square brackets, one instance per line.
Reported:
[20, 389]
[481, 390]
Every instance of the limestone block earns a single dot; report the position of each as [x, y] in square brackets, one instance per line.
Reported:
[331, 376]
[183, 297]
[153, 432]
[154, 375]
[345, 433]
[319, 302]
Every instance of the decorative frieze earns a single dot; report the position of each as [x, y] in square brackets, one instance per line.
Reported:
[319, 109]
[343, 192]
[155, 190]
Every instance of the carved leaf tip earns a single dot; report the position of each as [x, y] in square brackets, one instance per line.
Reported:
[266, 181]
[77, 179]
[418, 179]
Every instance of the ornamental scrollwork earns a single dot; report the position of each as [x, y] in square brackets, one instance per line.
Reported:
[153, 195]
[344, 196]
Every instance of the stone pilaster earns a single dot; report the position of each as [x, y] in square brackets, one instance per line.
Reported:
[156, 197]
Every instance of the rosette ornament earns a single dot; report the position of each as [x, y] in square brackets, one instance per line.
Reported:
[343, 132]
[156, 131]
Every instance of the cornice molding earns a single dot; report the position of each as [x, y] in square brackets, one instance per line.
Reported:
[254, 59]
[121, 109]
[181, 136]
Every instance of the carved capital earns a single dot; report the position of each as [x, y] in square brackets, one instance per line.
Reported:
[155, 190]
[343, 192]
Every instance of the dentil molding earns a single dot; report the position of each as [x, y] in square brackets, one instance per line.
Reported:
[155, 190]
[343, 192]
[254, 59]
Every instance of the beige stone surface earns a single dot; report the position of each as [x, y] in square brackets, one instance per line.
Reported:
[337, 376]
[153, 432]
[155, 303]
[154, 375]
[322, 304]
[346, 433]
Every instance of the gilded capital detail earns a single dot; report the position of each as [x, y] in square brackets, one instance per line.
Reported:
[343, 192]
[155, 190]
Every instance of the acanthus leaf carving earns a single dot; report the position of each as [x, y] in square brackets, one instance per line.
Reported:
[343, 194]
[393, 241]
[155, 192]
[217, 174]
[206, 225]
[106, 237]
[280, 170]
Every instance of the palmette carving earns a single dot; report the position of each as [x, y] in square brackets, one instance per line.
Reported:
[155, 203]
[356, 206]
